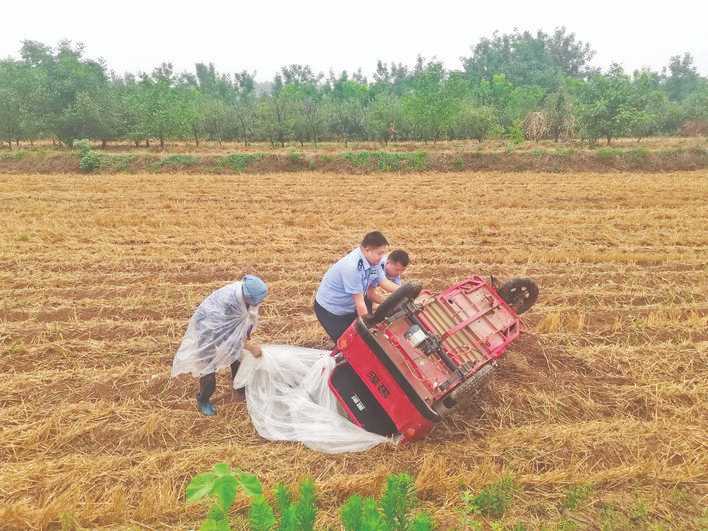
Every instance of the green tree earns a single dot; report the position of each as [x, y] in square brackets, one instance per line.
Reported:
[23, 101]
[275, 113]
[527, 59]
[245, 106]
[10, 116]
[165, 112]
[64, 74]
[558, 108]
[682, 77]
[474, 122]
[308, 117]
[301, 88]
[217, 118]
[394, 78]
[384, 117]
[60, 93]
[511, 104]
[93, 115]
[195, 109]
[695, 106]
[346, 102]
[605, 105]
[649, 109]
[11, 112]
[133, 101]
[432, 101]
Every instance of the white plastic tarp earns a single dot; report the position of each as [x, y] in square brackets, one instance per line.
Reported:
[288, 399]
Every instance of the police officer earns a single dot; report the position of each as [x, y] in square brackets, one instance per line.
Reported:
[395, 264]
[341, 295]
[393, 267]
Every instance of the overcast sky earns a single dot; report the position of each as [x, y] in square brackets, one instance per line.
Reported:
[263, 36]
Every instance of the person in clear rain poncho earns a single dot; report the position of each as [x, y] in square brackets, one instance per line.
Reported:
[219, 330]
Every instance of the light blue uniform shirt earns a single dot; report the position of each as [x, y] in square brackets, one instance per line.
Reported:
[350, 275]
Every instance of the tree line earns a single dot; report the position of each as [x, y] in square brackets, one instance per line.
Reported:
[518, 85]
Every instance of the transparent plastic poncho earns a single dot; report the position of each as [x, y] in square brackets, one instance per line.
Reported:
[216, 333]
[288, 399]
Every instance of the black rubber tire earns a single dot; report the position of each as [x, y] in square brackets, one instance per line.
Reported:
[519, 293]
[408, 291]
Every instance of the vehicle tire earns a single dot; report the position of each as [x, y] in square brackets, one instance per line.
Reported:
[408, 291]
[519, 293]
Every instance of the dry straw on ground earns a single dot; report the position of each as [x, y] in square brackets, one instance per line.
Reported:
[98, 276]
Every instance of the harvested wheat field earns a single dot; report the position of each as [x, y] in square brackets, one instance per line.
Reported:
[605, 396]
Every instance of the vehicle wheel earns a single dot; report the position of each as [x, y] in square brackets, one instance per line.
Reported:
[519, 293]
[406, 292]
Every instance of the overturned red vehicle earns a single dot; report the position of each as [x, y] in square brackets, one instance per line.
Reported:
[419, 356]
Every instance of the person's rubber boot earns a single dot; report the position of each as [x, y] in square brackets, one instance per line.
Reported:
[206, 408]
[238, 395]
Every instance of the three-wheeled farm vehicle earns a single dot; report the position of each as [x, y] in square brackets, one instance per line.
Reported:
[422, 353]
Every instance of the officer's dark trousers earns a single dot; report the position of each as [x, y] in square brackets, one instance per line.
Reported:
[334, 325]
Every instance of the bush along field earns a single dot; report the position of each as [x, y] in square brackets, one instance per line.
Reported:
[671, 155]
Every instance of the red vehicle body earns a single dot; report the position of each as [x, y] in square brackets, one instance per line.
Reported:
[405, 370]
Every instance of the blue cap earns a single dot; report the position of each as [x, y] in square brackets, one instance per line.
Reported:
[254, 289]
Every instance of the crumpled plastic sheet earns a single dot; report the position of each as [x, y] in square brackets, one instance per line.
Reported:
[288, 399]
